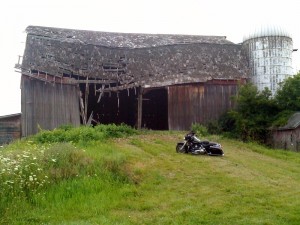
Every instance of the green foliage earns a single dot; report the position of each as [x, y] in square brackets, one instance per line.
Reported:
[25, 173]
[141, 180]
[282, 118]
[115, 131]
[257, 112]
[199, 129]
[29, 170]
[84, 133]
[288, 96]
[254, 113]
[213, 127]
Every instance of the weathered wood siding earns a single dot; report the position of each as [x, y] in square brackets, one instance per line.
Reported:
[287, 139]
[10, 128]
[199, 102]
[47, 105]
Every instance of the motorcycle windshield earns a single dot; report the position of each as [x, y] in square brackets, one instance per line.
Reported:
[196, 139]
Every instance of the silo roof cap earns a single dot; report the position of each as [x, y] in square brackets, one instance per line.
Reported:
[267, 30]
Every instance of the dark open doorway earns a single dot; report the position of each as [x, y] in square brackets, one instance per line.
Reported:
[155, 109]
[122, 107]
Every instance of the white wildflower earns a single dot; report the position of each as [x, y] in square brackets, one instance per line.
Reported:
[30, 178]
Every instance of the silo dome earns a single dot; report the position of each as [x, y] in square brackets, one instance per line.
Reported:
[267, 30]
[269, 50]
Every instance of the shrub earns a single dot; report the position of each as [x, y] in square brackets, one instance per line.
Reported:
[115, 131]
[199, 129]
[214, 127]
[83, 133]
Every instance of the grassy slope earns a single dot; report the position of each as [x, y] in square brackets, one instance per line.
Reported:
[249, 185]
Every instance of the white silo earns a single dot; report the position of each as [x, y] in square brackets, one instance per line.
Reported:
[269, 50]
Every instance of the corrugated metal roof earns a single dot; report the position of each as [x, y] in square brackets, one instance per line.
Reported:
[293, 122]
[9, 116]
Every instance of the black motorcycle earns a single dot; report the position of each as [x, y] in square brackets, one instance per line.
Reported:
[195, 146]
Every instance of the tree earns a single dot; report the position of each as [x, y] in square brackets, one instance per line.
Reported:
[254, 113]
[288, 96]
[257, 111]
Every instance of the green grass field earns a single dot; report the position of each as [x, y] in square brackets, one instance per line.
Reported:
[140, 179]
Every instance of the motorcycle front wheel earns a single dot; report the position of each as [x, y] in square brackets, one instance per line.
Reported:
[179, 148]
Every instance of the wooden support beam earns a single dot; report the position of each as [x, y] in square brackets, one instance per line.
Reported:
[95, 81]
[86, 99]
[140, 108]
[117, 88]
[81, 107]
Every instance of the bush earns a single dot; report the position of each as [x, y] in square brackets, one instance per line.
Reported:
[199, 129]
[115, 131]
[214, 127]
[83, 133]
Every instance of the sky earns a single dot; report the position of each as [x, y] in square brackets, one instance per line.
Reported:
[230, 18]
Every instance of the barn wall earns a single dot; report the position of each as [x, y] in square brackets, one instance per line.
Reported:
[199, 102]
[10, 128]
[287, 139]
[47, 105]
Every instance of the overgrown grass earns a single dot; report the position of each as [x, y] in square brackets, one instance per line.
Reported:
[139, 179]
[83, 133]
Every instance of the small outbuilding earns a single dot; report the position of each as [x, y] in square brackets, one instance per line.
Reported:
[10, 128]
[288, 136]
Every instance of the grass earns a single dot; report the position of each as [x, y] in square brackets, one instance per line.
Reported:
[139, 179]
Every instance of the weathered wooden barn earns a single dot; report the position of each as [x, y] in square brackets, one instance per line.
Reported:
[288, 136]
[157, 81]
[10, 128]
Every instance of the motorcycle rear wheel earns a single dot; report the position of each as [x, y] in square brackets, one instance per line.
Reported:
[179, 148]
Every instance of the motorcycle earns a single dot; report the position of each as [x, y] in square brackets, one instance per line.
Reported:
[194, 145]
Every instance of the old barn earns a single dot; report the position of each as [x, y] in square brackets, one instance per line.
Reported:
[156, 81]
[288, 136]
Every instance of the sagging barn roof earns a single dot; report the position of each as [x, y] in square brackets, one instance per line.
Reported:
[123, 60]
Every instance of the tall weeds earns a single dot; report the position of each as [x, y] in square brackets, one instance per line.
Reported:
[84, 133]
[30, 167]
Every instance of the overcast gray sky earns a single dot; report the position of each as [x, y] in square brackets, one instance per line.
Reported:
[231, 18]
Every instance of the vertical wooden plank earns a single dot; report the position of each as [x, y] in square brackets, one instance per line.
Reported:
[140, 108]
[47, 105]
